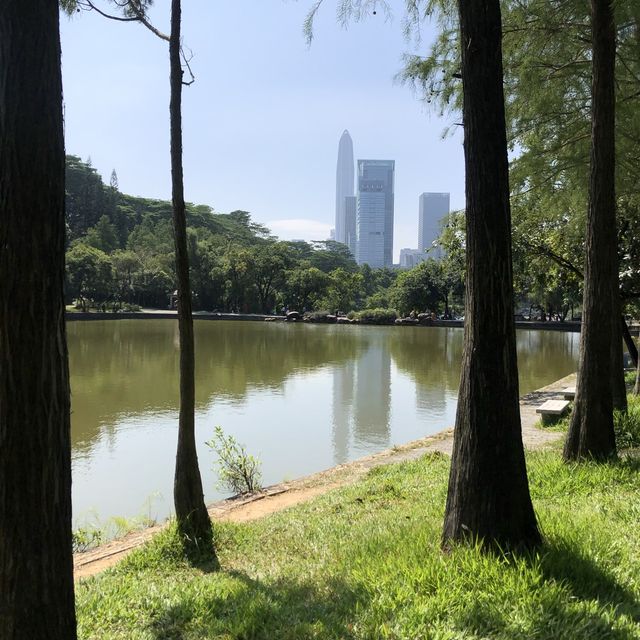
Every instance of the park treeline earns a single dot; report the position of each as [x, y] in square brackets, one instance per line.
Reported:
[120, 256]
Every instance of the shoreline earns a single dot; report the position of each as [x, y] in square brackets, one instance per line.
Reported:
[287, 494]
[156, 314]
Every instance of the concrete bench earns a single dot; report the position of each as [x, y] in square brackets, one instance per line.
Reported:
[569, 393]
[552, 410]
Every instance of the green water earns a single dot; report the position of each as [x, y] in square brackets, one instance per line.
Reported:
[300, 397]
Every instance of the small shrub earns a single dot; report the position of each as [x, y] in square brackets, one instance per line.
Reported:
[319, 316]
[127, 306]
[630, 378]
[376, 316]
[627, 425]
[237, 470]
[86, 538]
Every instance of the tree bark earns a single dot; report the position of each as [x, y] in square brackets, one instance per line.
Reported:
[191, 512]
[591, 433]
[618, 386]
[36, 566]
[628, 340]
[488, 498]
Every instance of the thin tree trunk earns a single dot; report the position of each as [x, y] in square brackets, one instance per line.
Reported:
[488, 497]
[36, 567]
[191, 512]
[628, 340]
[591, 433]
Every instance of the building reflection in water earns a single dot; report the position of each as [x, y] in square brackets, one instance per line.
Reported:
[343, 383]
[362, 402]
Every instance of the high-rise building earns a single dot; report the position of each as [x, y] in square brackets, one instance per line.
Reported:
[410, 258]
[344, 183]
[432, 208]
[350, 211]
[374, 214]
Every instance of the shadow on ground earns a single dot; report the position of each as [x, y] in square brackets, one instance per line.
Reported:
[253, 610]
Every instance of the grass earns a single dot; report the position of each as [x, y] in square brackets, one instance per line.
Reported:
[627, 425]
[364, 562]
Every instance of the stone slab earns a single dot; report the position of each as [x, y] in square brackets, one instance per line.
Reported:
[553, 407]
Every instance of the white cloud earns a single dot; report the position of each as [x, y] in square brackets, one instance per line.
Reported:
[299, 229]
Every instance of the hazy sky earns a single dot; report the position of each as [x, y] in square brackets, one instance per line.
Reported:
[263, 120]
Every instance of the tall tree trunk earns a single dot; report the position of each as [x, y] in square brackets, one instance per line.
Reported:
[191, 512]
[618, 386]
[591, 432]
[488, 497]
[36, 566]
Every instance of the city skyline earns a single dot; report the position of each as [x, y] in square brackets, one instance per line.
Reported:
[274, 157]
[365, 222]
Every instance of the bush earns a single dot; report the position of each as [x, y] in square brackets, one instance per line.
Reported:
[630, 378]
[127, 306]
[319, 316]
[627, 425]
[86, 538]
[375, 316]
[237, 470]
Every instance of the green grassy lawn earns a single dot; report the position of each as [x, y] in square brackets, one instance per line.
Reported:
[365, 562]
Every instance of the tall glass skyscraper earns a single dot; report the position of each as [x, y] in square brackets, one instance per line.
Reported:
[344, 184]
[374, 216]
[351, 210]
[432, 208]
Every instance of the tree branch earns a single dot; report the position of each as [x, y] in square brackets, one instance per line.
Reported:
[135, 6]
[558, 259]
[139, 16]
[87, 5]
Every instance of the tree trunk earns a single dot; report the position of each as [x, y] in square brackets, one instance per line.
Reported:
[488, 497]
[591, 432]
[618, 386]
[36, 567]
[636, 388]
[628, 340]
[191, 512]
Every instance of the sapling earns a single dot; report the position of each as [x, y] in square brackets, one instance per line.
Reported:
[237, 470]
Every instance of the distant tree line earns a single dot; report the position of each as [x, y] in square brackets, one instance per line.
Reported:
[120, 253]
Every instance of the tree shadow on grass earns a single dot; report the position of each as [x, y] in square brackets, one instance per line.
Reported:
[587, 606]
[586, 580]
[249, 609]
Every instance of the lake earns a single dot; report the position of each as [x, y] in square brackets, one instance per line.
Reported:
[300, 397]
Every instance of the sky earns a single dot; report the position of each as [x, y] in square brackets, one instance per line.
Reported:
[263, 119]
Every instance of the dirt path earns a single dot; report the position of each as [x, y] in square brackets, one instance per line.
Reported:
[282, 496]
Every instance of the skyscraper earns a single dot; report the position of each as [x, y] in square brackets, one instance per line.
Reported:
[432, 208]
[410, 258]
[344, 183]
[350, 211]
[374, 215]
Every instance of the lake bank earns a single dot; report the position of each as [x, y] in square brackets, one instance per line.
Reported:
[156, 314]
[284, 495]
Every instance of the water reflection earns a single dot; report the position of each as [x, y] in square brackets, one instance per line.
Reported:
[301, 397]
[433, 362]
[362, 399]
